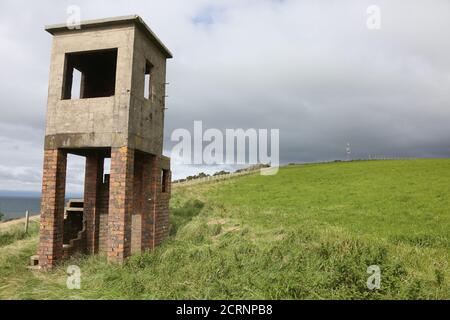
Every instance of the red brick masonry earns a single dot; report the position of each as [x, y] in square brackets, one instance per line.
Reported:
[125, 213]
[52, 208]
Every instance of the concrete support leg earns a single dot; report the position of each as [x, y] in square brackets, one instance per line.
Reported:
[52, 208]
[92, 182]
[120, 204]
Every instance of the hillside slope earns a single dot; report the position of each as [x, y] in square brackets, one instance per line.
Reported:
[309, 232]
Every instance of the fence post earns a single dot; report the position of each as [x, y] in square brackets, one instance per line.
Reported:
[27, 219]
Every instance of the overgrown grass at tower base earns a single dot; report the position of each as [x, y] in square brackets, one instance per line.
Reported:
[309, 232]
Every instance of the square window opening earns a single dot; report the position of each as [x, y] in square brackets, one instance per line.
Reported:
[90, 74]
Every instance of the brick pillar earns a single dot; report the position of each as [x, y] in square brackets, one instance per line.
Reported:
[52, 208]
[102, 210]
[92, 183]
[136, 223]
[161, 200]
[120, 204]
[147, 203]
[155, 191]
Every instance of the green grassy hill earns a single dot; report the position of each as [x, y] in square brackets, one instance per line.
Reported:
[309, 232]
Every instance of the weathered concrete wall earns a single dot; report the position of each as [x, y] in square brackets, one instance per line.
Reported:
[126, 119]
[147, 115]
[94, 122]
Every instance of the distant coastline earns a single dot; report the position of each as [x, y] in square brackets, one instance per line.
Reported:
[13, 204]
[19, 194]
[14, 207]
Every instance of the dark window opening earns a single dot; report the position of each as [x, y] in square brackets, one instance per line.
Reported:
[165, 181]
[92, 74]
[148, 90]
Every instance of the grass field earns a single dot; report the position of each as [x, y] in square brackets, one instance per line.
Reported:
[309, 232]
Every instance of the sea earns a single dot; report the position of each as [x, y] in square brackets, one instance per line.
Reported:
[16, 207]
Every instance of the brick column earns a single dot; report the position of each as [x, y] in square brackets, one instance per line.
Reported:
[155, 192]
[147, 203]
[52, 208]
[136, 216]
[93, 180]
[120, 204]
[161, 203]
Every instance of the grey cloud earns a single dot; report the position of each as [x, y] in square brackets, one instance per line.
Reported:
[312, 70]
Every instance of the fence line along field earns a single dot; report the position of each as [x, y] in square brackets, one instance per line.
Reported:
[309, 232]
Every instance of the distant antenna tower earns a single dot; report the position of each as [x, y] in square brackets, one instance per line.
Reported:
[349, 151]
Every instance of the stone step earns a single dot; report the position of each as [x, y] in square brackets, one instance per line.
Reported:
[71, 209]
[75, 203]
[34, 261]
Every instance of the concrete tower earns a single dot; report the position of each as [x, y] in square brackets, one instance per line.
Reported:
[106, 100]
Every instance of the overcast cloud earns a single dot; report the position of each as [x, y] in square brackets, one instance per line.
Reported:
[309, 68]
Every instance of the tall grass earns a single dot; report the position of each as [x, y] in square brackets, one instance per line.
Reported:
[17, 232]
[258, 238]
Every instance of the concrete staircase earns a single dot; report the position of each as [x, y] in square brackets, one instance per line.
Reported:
[74, 231]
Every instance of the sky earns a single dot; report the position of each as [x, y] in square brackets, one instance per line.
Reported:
[312, 69]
